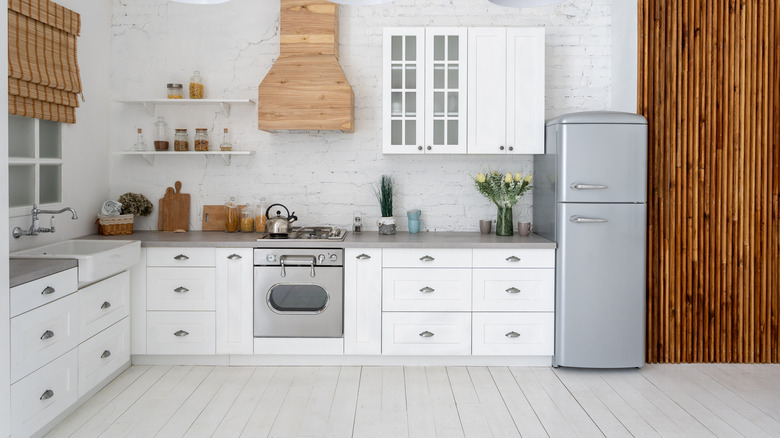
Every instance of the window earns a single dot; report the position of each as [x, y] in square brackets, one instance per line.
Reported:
[34, 163]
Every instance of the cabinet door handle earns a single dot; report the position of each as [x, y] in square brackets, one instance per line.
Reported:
[181, 257]
[48, 334]
[419, 148]
[586, 220]
[234, 257]
[181, 333]
[578, 186]
[426, 334]
[426, 290]
[501, 147]
[105, 305]
[429, 148]
[512, 335]
[105, 354]
[48, 290]
[181, 290]
[513, 259]
[47, 394]
[513, 290]
[511, 148]
[427, 258]
[363, 257]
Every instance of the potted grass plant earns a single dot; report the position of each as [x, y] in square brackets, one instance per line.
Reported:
[384, 194]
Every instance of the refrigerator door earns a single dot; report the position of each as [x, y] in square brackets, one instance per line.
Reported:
[602, 163]
[600, 290]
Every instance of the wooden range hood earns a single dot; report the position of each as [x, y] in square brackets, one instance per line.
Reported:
[306, 90]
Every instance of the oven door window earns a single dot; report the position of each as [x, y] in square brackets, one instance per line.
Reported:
[298, 298]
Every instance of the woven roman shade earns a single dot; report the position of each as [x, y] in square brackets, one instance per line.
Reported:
[43, 71]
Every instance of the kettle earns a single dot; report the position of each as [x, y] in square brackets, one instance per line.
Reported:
[279, 225]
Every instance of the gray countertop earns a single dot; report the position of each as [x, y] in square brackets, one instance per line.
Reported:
[26, 270]
[367, 239]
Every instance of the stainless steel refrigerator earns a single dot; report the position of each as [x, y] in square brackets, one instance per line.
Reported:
[590, 191]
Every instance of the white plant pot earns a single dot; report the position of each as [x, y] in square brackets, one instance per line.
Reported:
[386, 226]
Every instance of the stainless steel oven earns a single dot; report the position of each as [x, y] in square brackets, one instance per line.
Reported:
[299, 292]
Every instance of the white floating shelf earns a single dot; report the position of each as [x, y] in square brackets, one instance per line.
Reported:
[149, 155]
[150, 104]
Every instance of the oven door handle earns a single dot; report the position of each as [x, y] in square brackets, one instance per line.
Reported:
[292, 259]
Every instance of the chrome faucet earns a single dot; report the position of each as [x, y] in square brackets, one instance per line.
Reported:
[35, 229]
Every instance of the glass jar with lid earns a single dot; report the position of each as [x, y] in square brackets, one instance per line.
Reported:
[196, 86]
[247, 219]
[231, 215]
[201, 139]
[260, 218]
[175, 91]
[160, 135]
[181, 140]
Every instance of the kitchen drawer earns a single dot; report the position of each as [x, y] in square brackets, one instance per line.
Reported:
[180, 333]
[181, 257]
[180, 289]
[514, 258]
[41, 335]
[426, 258]
[103, 304]
[103, 354]
[43, 395]
[529, 334]
[406, 333]
[44, 290]
[415, 290]
[507, 290]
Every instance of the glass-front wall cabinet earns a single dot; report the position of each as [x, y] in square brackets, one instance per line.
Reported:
[403, 78]
[445, 110]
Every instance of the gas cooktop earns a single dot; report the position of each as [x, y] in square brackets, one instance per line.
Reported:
[309, 233]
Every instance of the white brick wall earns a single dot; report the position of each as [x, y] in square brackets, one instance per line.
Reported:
[325, 177]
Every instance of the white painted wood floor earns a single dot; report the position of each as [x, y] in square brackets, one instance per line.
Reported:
[658, 400]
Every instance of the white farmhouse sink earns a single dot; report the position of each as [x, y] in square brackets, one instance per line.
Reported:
[98, 259]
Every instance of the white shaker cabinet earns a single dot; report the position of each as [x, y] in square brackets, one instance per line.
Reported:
[362, 301]
[506, 90]
[403, 82]
[234, 313]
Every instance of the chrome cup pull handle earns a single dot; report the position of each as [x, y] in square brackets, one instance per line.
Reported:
[586, 220]
[513, 290]
[181, 257]
[105, 354]
[513, 259]
[512, 335]
[363, 257]
[234, 257]
[427, 258]
[578, 186]
[47, 394]
[427, 290]
[426, 334]
[48, 334]
[105, 305]
[48, 290]
[181, 290]
[181, 333]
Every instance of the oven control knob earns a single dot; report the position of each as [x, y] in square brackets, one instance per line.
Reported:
[334, 257]
[270, 258]
[321, 258]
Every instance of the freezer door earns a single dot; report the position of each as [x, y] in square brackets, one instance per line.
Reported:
[600, 286]
[602, 163]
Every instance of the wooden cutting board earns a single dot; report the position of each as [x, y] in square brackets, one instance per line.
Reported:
[213, 218]
[174, 212]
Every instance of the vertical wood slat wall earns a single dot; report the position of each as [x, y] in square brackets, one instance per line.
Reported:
[709, 85]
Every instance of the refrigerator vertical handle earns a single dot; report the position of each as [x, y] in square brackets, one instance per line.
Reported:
[586, 220]
[578, 186]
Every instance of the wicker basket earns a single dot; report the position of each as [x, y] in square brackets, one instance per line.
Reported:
[115, 225]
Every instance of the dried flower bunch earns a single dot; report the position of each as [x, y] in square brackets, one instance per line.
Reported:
[135, 203]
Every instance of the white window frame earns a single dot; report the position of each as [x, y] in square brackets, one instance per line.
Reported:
[36, 161]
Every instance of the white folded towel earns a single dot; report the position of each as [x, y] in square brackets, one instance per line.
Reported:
[111, 208]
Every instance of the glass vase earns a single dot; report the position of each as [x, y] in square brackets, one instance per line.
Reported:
[504, 221]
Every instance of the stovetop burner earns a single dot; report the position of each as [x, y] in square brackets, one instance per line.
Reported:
[309, 233]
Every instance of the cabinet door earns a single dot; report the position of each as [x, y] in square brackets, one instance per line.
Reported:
[430, 290]
[487, 83]
[103, 304]
[445, 90]
[525, 90]
[402, 89]
[420, 333]
[363, 301]
[180, 288]
[234, 301]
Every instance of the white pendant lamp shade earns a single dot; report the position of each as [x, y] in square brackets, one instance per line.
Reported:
[201, 2]
[525, 3]
[360, 2]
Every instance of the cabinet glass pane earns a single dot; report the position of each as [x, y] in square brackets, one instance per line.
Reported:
[21, 137]
[452, 48]
[452, 104]
[452, 76]
[396, 77]
[411, 48]
[396, 103]
[411, 104]
[411, 77]
[397, 48]
[396, 132]
[21, 185]
[438, 48]
[50, 139]
[411, 132]
[438, 104]
[452, 132]
[51, 180]
[438, 76]
[438, 132]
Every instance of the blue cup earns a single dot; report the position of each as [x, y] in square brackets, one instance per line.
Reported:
[414, 226]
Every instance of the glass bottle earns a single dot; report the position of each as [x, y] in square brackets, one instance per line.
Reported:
[196, 86]
[201, 139]
[231, 215]
[181, 140]
[248, 219]
[140, 144]
[225, 146]
[161, 135]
